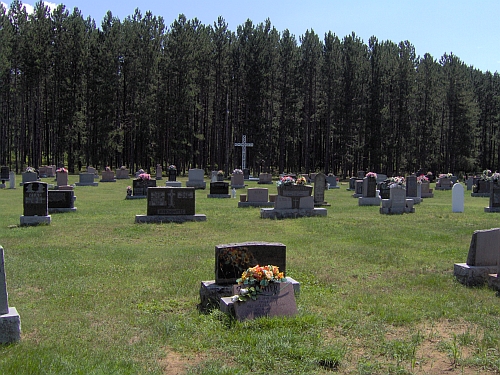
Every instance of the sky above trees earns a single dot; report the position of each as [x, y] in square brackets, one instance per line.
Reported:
[466, 29]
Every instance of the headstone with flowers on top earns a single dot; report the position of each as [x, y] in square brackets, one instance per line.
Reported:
[370, 194]
[140, 186]
[294, 200]
[425, 190]
[444, 182]
[122, 173]
[108, 175]
[397, 203]
[29, 175]
[242, 262]
[481, 185]
[172, 177]
[237, 179]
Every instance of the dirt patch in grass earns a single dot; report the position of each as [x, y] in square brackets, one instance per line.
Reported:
[176, 363]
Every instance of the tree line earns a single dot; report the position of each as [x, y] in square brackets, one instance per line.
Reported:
[137, 93]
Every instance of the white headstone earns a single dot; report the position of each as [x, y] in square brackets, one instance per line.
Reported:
[12, 180]
[457, 198]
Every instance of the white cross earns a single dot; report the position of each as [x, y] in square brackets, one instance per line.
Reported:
[243, 144]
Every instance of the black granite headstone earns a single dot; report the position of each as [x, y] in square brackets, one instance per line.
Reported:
[232, 259]
[246, 174]
[172, 174]
[168, 201]
[219, 188]
[4, 174]
[35, 199]
[61, 199]
[495, 195]
[140, 187]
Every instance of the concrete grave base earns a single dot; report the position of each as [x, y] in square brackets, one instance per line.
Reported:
[196, 185]
[238, 186]
[113, 180]
[492, 209]
[416, 200]
[322, 204]
[218, 196]
[494, 281]
[472, 275]
[34, 220]
[87, 184]
[369, 201]
[273, 213]
[173, 184]
[227, 306]
[213, 295]
[255, 204]
[136, 197]
[61, 210]
[169, 218]
[427, 195]
[481, 195]
[10, 327]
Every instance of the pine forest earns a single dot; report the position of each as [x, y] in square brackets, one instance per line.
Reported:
[137, 92]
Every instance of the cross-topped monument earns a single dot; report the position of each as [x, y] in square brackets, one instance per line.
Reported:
[243, 144]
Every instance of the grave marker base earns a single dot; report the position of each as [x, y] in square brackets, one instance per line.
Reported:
[492, 209]
[35, 220]
[217, 296]
[218, 196]
[472, 275]
[255, 204]
[173, 184]
[369, 201]
[169, 218]
[273, 213]
[10, 327]
[280, 303]
[61, 210]
[86, 184]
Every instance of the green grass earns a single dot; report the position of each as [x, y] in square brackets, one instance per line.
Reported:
[99, 294]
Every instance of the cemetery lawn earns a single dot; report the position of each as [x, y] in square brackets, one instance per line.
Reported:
[99, 294]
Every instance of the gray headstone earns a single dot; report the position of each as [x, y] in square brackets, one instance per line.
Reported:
[257, 195]
[369, 187]
[12, 180]
[411, 186]
[4, 300]
[319, 187]
[494, 195]
[484, 248]
[86, 178]
[398, 198]
[457, 198]
[276, 299]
